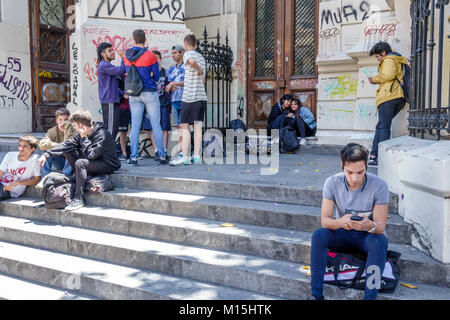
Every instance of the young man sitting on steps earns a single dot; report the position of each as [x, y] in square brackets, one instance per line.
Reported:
[19, 169]
[354, 190]
[90, 152]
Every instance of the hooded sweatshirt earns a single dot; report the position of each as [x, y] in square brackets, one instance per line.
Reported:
[99, 145]
[146, 65]
[389, 69]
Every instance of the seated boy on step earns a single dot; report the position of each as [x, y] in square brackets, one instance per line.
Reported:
[56, 135]
[90, 152]
[353, 190]
[19, 169]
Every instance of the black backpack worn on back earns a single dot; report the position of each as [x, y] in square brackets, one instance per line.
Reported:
[133, 82]
[406, 83]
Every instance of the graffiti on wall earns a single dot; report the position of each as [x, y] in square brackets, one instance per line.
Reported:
[150, 10]
[338, 87]
[349, 12]
[75, 74]
[13, 86]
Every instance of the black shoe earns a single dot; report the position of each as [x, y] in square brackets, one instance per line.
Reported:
[373, 163]
[132, 161]
[163, 160]
[76, 204]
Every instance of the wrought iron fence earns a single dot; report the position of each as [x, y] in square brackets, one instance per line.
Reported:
[219, 58]
[427, 114]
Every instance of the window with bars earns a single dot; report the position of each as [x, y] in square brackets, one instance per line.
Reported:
[304, 37]
[265, 52]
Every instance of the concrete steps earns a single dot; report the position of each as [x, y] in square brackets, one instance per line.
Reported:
[106, 280]
[12, 288]
[148, 239]
[35, 246]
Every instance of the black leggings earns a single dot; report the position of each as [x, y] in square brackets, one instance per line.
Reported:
[84, 167]
[300, 126]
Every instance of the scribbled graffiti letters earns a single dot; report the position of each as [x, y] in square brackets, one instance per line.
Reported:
[9, 79]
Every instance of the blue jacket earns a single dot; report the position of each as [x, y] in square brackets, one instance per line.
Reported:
[108, 89]
[146, 64]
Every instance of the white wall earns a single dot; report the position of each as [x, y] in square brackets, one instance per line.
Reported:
[15, 69]
[346, 100]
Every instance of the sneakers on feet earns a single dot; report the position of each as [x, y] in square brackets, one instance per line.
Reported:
[122, 157]
[373, 163]
[163, 160]
[132, 161]
[196, 160]
[180, 160]
[75, 204]
[303, 142]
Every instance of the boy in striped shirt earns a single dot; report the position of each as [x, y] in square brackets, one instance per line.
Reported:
[193, 103]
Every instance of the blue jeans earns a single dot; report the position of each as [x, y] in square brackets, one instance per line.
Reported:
[150, 102]
[341, 240]
[58, 163]
[386, 112]
[176, 111]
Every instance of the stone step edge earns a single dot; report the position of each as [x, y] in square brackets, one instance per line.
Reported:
[256, 245]
[201, 187]
[50, 275]
[174, 259]
[305, 220]
[46, 272]
[34, 290]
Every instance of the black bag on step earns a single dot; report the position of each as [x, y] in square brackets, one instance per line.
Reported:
[57, 191]
[348, 271]
[288, 140]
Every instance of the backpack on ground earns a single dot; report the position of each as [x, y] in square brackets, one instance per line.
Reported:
[133, 82]
[288, 140]
[348, 271]
[98, 184]
[57, 191]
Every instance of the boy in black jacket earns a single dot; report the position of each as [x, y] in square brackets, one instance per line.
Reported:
[90, 152]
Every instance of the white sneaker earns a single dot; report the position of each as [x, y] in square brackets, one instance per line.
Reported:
[180, 160]
[303, 142]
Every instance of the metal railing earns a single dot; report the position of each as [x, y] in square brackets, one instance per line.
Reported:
[219, 59]
[427, 115]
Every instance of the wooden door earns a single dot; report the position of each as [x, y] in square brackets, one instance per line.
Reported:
[281, 52]
[50, 60]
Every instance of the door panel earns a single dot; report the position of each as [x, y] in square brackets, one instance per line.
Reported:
[282, 47]
[50, 60]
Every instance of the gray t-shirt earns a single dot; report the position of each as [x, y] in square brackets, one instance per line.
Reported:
[374, 191]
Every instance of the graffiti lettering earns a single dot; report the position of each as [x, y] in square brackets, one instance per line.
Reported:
[75, 74]
[348, 12]
[386, 30]
[141, 9]
[7, 102]
[329, 33]
[9, 79]
[91, 72]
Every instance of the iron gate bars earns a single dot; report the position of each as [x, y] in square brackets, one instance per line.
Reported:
[426, 112]
[219, 58]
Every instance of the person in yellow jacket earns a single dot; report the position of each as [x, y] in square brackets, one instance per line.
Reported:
[56, 135]
[389, 98]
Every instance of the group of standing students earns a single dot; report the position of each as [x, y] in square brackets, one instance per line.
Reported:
[180, 92]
